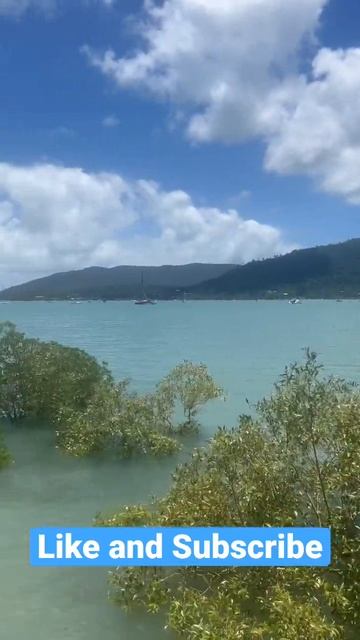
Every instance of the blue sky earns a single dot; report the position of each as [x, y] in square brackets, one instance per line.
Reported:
[159, 176]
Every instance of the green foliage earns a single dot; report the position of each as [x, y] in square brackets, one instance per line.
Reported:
[296, 464]
[192, 386]
[117, 421]
[92, 414]
[127, 424]
[71, 390]
[40, 379]
[5, 457]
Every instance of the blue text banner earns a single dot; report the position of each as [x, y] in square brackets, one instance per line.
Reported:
[160, 547]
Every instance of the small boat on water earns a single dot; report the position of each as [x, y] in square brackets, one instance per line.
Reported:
[144, 300]
[295, 301]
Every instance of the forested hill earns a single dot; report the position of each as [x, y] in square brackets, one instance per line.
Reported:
[116, 283]
[331, 271]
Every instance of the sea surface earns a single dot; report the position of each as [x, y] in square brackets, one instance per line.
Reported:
[246, 345]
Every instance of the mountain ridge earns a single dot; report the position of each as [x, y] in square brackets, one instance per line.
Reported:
[327, 271]
[121, 282]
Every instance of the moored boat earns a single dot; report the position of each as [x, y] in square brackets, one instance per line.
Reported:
[144, 300]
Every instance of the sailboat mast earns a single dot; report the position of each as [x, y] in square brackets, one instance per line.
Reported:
[144, 299]
[142, 285]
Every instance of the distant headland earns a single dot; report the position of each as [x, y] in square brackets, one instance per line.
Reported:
[331, 271]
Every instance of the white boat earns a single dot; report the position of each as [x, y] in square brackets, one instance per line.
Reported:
[144, 300]
[295, 301]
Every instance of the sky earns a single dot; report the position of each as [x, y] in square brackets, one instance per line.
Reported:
[175, 131]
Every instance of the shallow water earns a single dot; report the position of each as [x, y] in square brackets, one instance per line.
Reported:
[245, 344]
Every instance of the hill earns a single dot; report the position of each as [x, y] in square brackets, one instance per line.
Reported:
[115, 283]
[331, 271]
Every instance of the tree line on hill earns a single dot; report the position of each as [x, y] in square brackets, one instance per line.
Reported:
[331, 271]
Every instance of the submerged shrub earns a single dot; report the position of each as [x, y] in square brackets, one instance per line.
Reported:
[5, 457]
[117, 421]
[41, 379]
[69, 389]
[296, 464]
[192, 386]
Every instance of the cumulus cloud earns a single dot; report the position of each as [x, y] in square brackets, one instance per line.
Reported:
[320, 136]
[233, 69]
[56, 218]
[220, 59]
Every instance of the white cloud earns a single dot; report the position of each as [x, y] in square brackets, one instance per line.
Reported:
[320, 136]
[221, 60]
[111, 122]
[55, 218]
[232, 68]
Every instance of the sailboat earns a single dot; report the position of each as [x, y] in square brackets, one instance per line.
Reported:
[144, 299]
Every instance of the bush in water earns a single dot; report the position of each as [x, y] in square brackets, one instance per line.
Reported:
[296, 464]
[69, 389]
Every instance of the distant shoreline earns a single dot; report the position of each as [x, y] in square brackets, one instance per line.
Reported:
[192, 299]
[329, 272]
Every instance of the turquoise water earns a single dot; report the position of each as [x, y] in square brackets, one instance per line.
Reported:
[245, 344]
